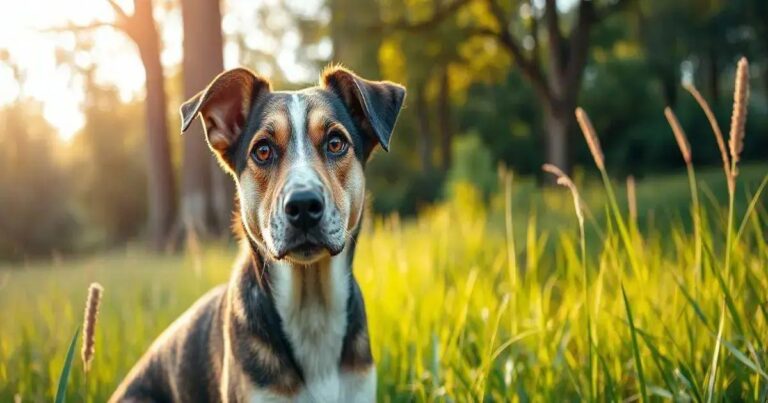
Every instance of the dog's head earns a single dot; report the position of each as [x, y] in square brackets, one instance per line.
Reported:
[297, 157]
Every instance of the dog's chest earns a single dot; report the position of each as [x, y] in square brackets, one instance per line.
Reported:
[352, 387]
[312, 303]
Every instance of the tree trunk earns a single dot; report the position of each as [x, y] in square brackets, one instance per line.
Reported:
[556, 124]
[350, 17]
[444, 116]
[161, 187]
[425, 139]
[205, 198]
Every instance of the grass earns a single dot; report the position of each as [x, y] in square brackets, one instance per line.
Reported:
[445, 321]
[459, 310]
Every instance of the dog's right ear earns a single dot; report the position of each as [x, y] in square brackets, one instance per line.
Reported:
[224, 106]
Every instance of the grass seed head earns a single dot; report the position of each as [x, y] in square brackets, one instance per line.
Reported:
[739, 116]
[89, 323]
[682, 140]
[591, 136]
[564, 180]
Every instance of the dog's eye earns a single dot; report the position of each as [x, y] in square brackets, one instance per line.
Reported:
[262, 153]
[336, 144]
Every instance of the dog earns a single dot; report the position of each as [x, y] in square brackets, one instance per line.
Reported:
[290, 325]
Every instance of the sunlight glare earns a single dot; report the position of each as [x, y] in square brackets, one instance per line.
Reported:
[23, 36]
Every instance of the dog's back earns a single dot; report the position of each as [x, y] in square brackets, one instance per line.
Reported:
[184, 363]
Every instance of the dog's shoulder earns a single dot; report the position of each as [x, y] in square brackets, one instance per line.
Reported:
[185, 360]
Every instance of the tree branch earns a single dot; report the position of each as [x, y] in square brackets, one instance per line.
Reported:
[81, 28]
[530, 68]
[119, 12]
[121, 23]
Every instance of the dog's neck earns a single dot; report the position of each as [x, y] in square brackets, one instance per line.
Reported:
[313, 314]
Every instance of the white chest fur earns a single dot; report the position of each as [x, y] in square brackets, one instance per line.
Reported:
[312, 303]
[353, 388]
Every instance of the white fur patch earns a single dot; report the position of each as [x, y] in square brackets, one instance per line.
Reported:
[354, 388]
[297, 110]
[314, 326]
[359, 387]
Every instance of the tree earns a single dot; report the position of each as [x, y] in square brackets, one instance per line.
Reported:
[35, 214]
[140, 28]
[206, 192]
[110, 142]
[555, 77]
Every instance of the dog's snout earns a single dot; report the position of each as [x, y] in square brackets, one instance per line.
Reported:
[304, 208]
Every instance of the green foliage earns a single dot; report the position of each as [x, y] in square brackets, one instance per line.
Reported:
[109, 156]
[506, 118]
[445, 321]
[36, 216]
[473, 164]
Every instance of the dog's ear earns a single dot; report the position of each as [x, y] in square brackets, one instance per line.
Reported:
[374, 105]
[224, 106]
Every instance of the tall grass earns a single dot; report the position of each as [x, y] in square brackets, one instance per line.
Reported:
[439, 300]
[511, 298]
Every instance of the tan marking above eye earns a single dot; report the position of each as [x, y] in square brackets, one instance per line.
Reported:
[277, 127]
[321, 123]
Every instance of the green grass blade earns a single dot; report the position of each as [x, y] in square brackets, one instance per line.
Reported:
[750, 283]
[696, 308]
[662, 363]
[61, 390]
[744, 359]
[686, 375]
[635, 348]
[610, 386]
[715, 358]
[751, 208]
[729, 303]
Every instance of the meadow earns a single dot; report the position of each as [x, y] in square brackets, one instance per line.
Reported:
[476, 299]
[525, 294]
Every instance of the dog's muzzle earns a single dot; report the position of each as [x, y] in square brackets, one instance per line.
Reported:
[304, 209]
[305, 224]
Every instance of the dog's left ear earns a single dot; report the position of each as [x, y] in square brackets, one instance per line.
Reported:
[374, 105]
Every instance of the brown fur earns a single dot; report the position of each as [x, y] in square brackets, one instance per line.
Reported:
[232, 340]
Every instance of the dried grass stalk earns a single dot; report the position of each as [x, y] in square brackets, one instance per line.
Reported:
[564, 180]
[591, 136]
[89, 323]
[682, 140]
[715, 127]
[632, 198]
[739, 116]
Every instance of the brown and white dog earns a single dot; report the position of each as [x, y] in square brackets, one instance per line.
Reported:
[291, 324]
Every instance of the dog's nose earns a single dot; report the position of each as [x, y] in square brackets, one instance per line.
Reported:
[304, 208]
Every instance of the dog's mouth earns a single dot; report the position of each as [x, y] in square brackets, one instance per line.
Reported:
[306, 251]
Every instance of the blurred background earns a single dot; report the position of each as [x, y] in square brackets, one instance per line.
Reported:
[479, 284]
[91, 158]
